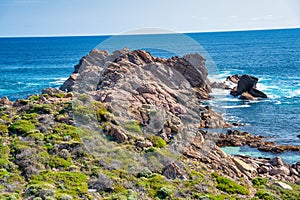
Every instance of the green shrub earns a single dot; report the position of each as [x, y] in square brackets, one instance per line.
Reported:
[8, 178]
[34, 97]
[3, 128]
[37, 135]
[157, 141]
[5, 117]
[259, 181]
[145, 173]
[57, 162]
[22, 127]
[220, 197]
[60, 95]
[229, 186]
[156, 186]
[31, 116]
[41, 190]
[101, 112]
[164, 193]
[71, 183]
[63, 130]
[4, 151]
[41, 109]
[17, 145]
[288, 194]
[262, 194]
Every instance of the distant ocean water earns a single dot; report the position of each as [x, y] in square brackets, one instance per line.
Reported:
[29, 64]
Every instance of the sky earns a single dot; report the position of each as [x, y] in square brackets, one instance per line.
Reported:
[106, 17]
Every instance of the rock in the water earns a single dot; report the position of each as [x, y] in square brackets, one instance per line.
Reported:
[246, 96]
[246, 87]
[245, 83]
[237, 124]
[282, 185]
[234, 78]
[256, 93]
[220, 85]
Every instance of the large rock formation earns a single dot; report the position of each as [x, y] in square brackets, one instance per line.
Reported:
[163, 97]
[135, 84]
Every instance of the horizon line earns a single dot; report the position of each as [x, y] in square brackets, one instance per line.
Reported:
[156, 33]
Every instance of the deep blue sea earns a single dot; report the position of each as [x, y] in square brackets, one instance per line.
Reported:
[29, 64]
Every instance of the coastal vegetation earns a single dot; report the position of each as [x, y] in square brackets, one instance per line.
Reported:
[42, 156]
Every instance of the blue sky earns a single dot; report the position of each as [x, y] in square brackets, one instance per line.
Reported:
[97, 17]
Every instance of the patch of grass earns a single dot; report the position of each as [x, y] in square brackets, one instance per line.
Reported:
[22, 127]
[71, 183]
[84, 110]
[62, 131]
[84, 113]
[220, 197]
[101, 111]
[41, 109]
[34, 97]
[288, 194]
[60, 95]
[83, 98]
[5, 117]
[58, 162]
[229, 186]
[157, 141]
[156, 186]
[8, 178]
[4, 156]
[31, 116]
[41, 190]
[37, 135]
[17, 145]
[133, 126]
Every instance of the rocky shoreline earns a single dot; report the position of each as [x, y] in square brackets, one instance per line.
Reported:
[239, 138]
[130, 125]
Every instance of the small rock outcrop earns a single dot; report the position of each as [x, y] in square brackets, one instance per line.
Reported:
[4, 101]
[246, 87]
[173, 171]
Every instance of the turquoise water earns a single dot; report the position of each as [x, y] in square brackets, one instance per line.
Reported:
[29, 64]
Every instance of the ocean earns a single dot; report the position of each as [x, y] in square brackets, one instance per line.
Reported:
[29, 64]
